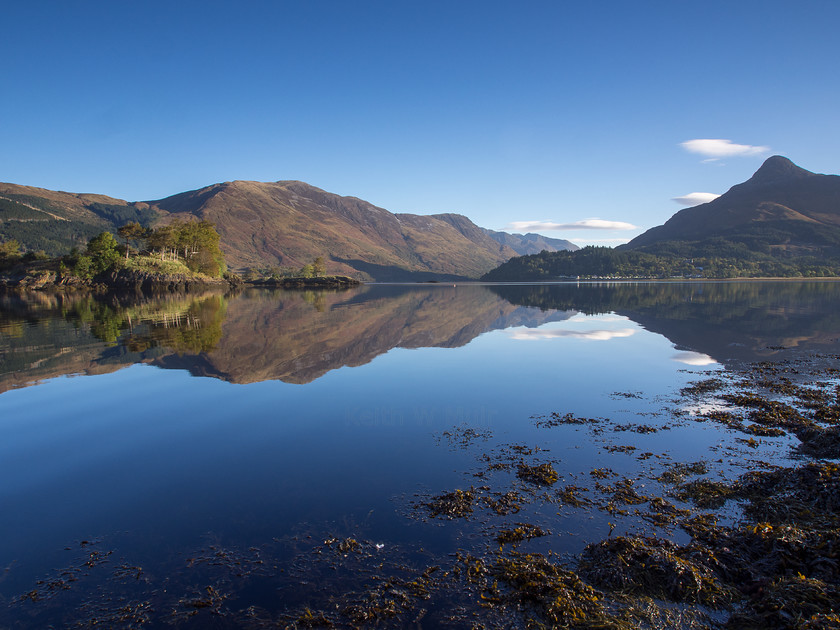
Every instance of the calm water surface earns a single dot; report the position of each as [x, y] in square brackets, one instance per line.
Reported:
[153, 449]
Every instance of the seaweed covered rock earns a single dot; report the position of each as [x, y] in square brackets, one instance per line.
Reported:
[820, 442]
[785, 495]
[522, 532]
[652, 567]
[797, 602]
[556, 595]
[455, 504]
[540, 475]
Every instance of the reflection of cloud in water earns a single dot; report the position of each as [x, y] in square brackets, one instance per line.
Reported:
[693, 358]
[593, 335]
[704, 408]
[599, 318]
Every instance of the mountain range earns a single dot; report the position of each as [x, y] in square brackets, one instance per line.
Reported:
[278, 224]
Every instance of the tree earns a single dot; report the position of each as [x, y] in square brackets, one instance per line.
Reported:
[101, 255]
[103, 251]
[319, 267]
[164, 241]
[131, 231]
[10, 249]
[199, 241]
[196, 242]
[9, 253]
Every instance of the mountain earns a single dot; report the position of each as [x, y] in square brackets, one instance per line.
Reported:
[782, 207]
[530, 243]
[274, 224]
[782, 222]
[288, 223]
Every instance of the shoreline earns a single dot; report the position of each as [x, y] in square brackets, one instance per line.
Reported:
[323, 282]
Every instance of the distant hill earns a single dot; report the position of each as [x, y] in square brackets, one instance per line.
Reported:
[530, 243]
[274, 224]
[783, 221]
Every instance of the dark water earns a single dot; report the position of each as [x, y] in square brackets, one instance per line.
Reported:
[151, 450]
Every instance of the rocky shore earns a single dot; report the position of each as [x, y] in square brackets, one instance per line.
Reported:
[46, 278]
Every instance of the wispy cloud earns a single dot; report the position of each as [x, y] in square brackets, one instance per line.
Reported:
[591, 335]
[693, 358]
[603, 241]
[586, 224]
[716, 148]
[695, 198]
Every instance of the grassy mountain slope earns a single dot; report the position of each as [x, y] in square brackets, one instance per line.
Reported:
[288, 223]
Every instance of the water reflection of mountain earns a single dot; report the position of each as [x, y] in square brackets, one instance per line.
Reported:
[729, 321]
[260, 335]
[299, 336]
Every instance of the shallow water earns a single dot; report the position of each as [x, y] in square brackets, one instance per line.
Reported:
[218, 441]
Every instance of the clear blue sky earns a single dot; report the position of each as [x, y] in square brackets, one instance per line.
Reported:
[507, 112]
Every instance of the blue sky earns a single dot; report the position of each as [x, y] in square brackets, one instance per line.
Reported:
[554, 113]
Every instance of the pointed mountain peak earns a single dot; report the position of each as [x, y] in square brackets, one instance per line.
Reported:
[778, 169]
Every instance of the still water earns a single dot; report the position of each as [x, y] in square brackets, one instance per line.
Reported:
[205, 461]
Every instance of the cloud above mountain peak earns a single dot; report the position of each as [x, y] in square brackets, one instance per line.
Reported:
[586, 224]
[717, 148]
[695, 198]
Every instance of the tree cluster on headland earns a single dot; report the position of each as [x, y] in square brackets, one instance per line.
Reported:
[182, 249]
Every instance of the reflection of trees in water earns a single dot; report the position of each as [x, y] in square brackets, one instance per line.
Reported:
[197, 329]
[676, 299]
[46, 335]
[713, 317]
[318, 299]
[183, 324]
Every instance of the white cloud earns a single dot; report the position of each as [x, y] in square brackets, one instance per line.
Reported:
[716, 148]
[693, 358]
[695, 198]
[609, 242]
[586, 224]
[591, 335]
